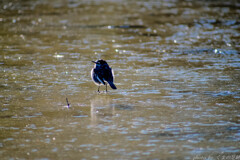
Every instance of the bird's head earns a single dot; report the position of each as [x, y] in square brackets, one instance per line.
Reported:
[100, 63]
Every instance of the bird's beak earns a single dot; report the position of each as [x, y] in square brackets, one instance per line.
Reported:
[94, 62]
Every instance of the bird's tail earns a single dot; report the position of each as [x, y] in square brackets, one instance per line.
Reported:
[112, 85]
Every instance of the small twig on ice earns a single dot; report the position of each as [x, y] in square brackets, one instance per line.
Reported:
[68, 104]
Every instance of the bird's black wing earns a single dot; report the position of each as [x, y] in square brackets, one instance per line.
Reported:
[108, 76]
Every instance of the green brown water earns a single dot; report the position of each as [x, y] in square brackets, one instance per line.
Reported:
[177, 69]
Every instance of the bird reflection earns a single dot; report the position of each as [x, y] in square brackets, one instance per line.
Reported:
[102, 108]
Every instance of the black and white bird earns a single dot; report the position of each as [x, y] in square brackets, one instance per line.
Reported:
[102, 74]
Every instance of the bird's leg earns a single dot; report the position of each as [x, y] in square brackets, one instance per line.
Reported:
[98, 89]
[106, 87]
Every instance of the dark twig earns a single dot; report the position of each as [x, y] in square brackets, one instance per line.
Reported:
[68, 104]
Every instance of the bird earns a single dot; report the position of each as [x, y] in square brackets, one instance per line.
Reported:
[102, 74]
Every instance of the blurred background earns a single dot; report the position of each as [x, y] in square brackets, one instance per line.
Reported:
[177, 69]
